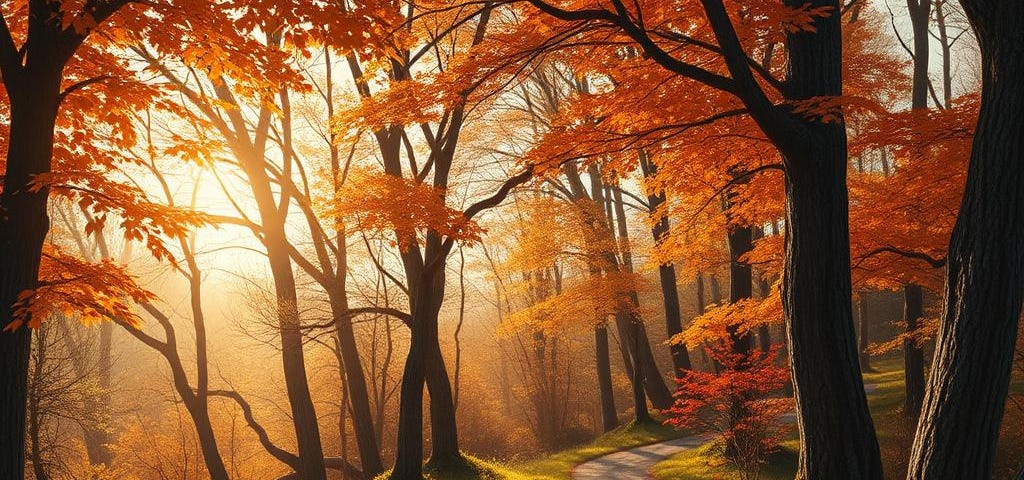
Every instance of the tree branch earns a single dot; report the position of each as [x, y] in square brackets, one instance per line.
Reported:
[930, 260]
[282, 455]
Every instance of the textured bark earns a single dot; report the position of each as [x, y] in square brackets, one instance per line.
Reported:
[837, 436]
[913, 355]
[967, 387]
[34, 99]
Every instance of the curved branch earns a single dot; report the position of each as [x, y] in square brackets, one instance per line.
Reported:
[924, 257]
[279, 453]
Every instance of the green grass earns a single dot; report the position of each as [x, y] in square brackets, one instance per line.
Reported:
[703, 464]
[559, 466]
[895, 434]
[472, 468]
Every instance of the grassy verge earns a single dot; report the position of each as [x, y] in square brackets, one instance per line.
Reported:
[703, 464]
[472, 468]
[559, 465]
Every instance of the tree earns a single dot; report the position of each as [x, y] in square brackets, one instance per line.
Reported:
[963, 404]
[34, 80]
[812, 141]
[735, 406]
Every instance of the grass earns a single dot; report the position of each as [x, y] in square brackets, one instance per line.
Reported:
[895, 433]
[702, 464]
[472, 468]
[559, 466]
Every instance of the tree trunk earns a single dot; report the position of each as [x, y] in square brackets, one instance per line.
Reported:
[359, 398]
[444, 438]
[609, 416]
[307, 429]
[34, 99]
[764, 337]
[913, 356]
[425, 365]
[409, 452]
[741, 277]
[837, 435]
[198, 408]
[967, 387]
[35, 415]
[666, 273]
[864, 337]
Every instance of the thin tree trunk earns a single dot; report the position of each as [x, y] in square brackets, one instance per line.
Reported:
[609, 416]
[764, 337]
[35, 416]
[967, 387]
[643, 356]
[355, 385]
[913, 355]
[864, 339]
[666, 273]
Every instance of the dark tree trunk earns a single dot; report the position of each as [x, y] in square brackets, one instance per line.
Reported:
[864, 337]
[913, 355]
[444, 438]
[199, 411]
[967, 387]
[764, 337]
[643, 356]
[701, 303]
[425, 365]
[409, 452]
[359, 398]
[741, 276]
[913, 297]
[609, 416]
[666, 273]
[307, 429]
[34, 99]
[837, 435]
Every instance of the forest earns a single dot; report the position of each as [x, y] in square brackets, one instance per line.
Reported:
[511, 239]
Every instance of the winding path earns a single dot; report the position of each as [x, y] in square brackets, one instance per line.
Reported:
[634, 463]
